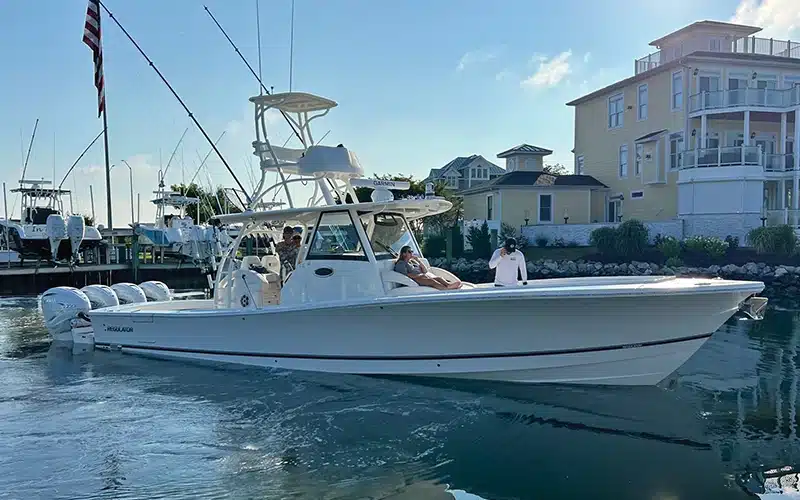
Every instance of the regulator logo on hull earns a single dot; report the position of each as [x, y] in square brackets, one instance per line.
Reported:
[114, 328]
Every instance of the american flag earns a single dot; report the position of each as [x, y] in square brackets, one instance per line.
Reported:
[91, 37]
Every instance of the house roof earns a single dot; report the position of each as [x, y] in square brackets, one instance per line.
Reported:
[525, 178]
[524, 149]
[651, 135]
[738, 29]
[459, 163]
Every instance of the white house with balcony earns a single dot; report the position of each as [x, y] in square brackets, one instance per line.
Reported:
[703, 132]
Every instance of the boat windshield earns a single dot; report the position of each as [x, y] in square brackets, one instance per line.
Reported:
[336, 238]
[388, 233]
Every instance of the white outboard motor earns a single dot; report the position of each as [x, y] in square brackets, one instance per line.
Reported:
[128, 293]
[100, 296]
[62, 307]
[156, 291]
[76, 230]
[56, 231]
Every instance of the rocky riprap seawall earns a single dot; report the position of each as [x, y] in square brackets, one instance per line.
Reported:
[782, 282]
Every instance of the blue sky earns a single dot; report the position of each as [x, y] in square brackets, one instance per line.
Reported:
[418, 82]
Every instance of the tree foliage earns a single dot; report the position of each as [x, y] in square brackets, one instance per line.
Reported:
[555, 169]
[211, 203]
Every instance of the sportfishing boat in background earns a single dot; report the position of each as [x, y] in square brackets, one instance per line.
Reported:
[44, 225]
[344, 309]
[177, 234]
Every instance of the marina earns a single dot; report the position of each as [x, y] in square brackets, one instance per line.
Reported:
[290, 320]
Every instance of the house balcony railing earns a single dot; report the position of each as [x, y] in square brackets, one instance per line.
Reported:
[749, 97]
[735, 156]
[748, 45]
[779, 163]
[767, 47]
[722, 157]
[782, 216]
[648, 62]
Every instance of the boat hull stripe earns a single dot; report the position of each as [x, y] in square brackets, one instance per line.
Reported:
[431, 357]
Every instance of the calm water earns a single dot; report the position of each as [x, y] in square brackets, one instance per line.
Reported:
[103, 425]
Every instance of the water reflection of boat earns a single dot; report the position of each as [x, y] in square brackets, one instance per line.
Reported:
[748, 380]
[362, 437]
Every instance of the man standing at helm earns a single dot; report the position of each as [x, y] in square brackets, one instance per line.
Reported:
[507, 261]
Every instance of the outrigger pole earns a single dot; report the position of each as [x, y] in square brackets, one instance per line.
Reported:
[178, 98]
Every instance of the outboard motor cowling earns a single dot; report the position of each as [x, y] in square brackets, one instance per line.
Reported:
[100, 296]
[56, 231]
[76, 230]
[129, 293]
[60, 307]
[156, 291]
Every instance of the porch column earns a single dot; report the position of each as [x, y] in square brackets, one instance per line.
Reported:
[746, 133]
[782, 194]
[703, 131]
[747, 128]
[784, 132]
[796, 183]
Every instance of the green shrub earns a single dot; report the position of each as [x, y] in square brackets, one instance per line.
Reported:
[670, 247]
[458, 241]
[778, 240]
[707, 247]
[631, 238]
[674, 262]
[604, 239]
[480, 240]
[434, 245]
[541, 241]
[733, 242]
[559, 242]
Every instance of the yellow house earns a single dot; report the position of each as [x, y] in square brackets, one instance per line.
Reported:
[527, 195]
[704, 133]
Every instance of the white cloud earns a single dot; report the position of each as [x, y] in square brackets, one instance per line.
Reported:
[477, 57]
[504, 75]
[778, 18]
[550, 71]
[586, 57]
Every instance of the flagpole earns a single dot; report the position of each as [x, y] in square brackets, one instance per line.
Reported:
[108, 169]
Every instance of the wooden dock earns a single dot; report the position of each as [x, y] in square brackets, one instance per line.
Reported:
[110, 263]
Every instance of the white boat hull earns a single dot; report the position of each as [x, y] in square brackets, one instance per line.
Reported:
[534, 334]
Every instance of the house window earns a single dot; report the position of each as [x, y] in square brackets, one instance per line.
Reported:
[641, 114]
[489, 207]
[616, 106]
[637, 166]
[452, 181]
[637, 195]
[545, 208]
[623, 160]
[715, 45]
[677, 91]
[579, 165]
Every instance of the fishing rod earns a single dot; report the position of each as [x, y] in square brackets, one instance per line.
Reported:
[152, 65]
[203, 162]
[25, 164]
[263, 87]
[164, 173]
[30, 145]
[79, 157]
